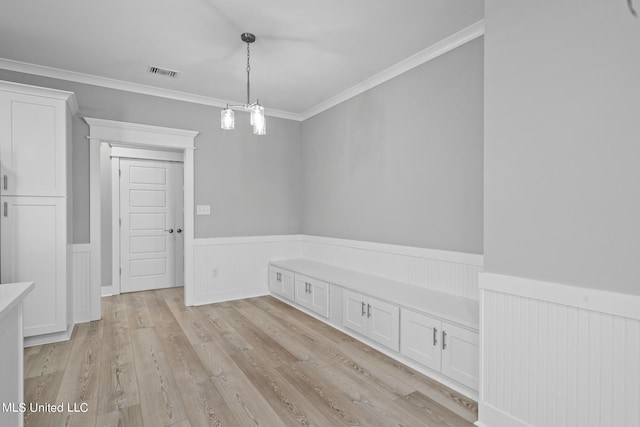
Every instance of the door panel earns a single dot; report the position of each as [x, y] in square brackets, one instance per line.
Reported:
[354, 312]
[320, 298]
[32, 244]
[384, 325]
[33, 160]
[151, 211]
[461, 355]
[420, 338]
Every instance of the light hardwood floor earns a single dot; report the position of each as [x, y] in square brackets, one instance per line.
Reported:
[151, 361]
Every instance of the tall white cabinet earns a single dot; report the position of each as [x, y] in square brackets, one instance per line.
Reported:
[35, 204]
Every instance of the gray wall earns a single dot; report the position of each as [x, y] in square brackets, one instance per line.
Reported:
[403, 162]
[252, 183]
[562, 142]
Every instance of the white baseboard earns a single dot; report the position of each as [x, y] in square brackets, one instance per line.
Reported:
[492, 417]
[557, 355]
[49, 338]
[257, 291]
[107, 291]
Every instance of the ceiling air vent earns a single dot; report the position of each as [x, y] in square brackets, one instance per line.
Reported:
[162, 71]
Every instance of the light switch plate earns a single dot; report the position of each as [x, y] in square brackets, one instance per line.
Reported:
[203, 210]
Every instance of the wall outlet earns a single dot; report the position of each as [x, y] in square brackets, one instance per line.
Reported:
[203, 210]
[214, 272]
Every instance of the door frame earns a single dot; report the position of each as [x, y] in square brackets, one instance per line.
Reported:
[137, 135]
[118, 152]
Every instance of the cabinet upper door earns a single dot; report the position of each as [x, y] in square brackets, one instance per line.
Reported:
[33, 141]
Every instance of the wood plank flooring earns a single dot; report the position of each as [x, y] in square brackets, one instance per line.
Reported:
[151, 361]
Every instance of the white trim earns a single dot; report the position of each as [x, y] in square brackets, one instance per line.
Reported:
[213, 241]
[493, 417]
[458, 39]
[136, 153]
[602, 301]
[83, 291]
[257, 291]
[115, 226]
[141, 136]
[42, 92]
[466, 35]
[107, 291]
[49, 338]
[448, 256]
[57, 73]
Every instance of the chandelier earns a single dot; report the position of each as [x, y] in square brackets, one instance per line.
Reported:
[256, 111]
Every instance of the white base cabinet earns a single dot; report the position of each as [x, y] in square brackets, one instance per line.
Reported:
[433, 332]
[281, 282]
[312, 294]
[441, 346]
[375, 319]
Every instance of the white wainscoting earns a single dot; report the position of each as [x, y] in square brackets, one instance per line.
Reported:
[557, 355]
[228, 268]
[86, 297]
[451, 272]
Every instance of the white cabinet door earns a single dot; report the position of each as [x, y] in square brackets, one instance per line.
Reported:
[302, 294]
[354, 312]
[32, 145]
[460, 355]
[319, 297]
[34, 249]
[312, 294]
[420, 338]
[384, 323]
[281, 282]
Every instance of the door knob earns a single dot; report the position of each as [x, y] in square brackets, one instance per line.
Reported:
[179, 230]
[169, 230]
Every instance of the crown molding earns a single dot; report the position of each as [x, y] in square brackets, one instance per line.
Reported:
[56, 73]
[466, 35]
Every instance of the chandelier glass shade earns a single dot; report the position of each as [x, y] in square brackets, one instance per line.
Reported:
[256, 111]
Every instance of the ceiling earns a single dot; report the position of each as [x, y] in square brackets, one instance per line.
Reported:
[306, 52]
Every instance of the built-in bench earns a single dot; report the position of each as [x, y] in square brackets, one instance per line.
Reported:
[433, 332]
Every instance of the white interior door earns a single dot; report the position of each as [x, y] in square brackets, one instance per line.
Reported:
[151, 215]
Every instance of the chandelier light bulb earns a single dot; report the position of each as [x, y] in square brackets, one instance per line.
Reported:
[227, 119]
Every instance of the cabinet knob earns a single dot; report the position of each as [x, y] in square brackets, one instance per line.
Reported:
[363, 310]
[435, 336]
[368, 310]
[444, 337]
[179, 230]
[169, 230]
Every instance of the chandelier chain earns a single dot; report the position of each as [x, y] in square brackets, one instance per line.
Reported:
[248, 72]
